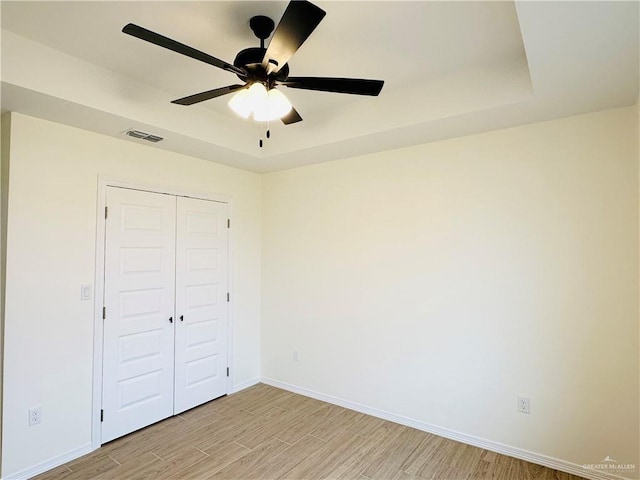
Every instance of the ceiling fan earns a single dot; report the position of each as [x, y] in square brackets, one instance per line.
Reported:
[262, 69]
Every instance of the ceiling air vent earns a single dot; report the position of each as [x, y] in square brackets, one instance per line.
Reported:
[143, 136]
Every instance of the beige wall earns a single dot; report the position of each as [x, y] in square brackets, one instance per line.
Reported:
[5, 140]
[51, 252]
[441, 281]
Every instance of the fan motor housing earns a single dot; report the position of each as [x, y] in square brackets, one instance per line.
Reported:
[251, 60]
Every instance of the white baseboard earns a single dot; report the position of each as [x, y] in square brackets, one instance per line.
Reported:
[249, 383]
[49, 464]
[544, 460]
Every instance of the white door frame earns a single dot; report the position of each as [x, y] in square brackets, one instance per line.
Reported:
[103, 183]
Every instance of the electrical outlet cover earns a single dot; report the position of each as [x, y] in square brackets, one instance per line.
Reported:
[524, 405]
[35, 415]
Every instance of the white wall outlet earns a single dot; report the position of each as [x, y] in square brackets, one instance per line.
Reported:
[296, 355]
[524, 405]
[35, 415]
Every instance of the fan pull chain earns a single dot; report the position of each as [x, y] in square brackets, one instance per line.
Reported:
[267, 134]
[259, 128]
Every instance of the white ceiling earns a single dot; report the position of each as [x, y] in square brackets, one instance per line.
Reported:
[450, 69]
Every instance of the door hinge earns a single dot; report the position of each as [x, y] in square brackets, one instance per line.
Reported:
[102, 415]
[106, 212]
[228, 223]
[227, 371]
[227, 296]
[104, 312]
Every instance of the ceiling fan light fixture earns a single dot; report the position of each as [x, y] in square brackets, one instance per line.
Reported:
[264, 105]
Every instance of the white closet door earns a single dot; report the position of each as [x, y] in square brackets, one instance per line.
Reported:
[138, 362]
[201, 302]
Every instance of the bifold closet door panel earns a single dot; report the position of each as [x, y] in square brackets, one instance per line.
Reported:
[138, 360]
[201, 302]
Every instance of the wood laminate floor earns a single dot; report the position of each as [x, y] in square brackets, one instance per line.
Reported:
[267, 433]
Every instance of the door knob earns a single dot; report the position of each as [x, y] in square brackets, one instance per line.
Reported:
[182, 318]
[170, 319]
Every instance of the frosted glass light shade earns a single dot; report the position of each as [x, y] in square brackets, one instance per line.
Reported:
[239, 103]
[257, 94]
[244, 102]
[279, 105]
[265, 106]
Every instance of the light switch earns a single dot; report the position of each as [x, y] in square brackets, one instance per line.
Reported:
[85, 292]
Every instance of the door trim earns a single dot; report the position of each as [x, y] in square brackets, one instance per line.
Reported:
[101, 201]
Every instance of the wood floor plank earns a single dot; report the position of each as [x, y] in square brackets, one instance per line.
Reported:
[423, 454]
[91, 467]
[443, 471]
[133, 468]
[336, 424]
[231, 433]
[491, 471]
[201, 415]
[301, 426]
[270, 398]
[300, 403]
[518, 469]
[466, 458]
[281, 464]
[212, 463]
[58, 473]
[237, 401]
[334, 453]
[247, 466]
[185, 438]
[430, 463]
[373, 446]
[401, 475]
[493, 457]
[185, 455]
[172, 464]
[253, 395]
[266, 430]
[365, 424]
[444, 457]
[142, 441]
[392, 459]
[265, 433]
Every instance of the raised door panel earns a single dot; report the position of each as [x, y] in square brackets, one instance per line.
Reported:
[201, 302]
[138, 362]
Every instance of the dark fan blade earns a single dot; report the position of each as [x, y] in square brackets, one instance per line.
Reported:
[292, 117]
[208, 95]
[298, 22]
[354, 86]
[162, 41]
